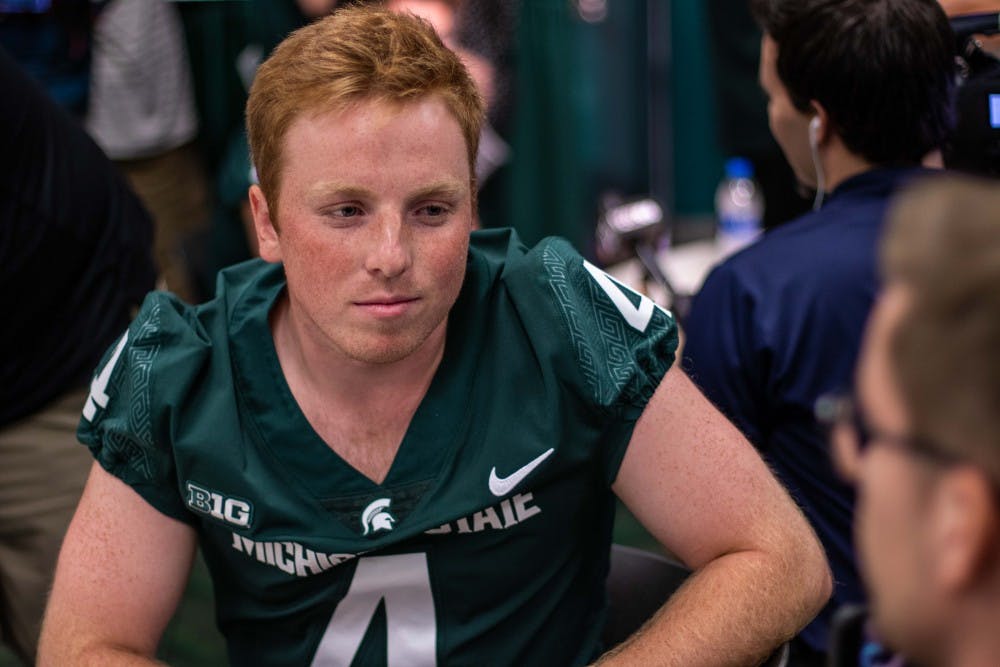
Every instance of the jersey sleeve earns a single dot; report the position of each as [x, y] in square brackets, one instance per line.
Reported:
[722, 350]
[614, 344]
[134, 396]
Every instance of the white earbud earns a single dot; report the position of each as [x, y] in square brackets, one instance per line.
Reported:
[814, 126]
[814, 131]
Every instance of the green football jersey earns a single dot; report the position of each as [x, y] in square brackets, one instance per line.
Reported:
[488, 540]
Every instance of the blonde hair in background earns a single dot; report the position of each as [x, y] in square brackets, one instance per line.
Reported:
[356, 54]
[943, 243]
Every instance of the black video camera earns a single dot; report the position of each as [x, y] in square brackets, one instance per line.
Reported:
[975, 144]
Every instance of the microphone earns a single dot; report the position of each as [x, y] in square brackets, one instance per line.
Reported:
[631, 229]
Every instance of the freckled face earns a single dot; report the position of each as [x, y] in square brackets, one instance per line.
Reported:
[373, 226]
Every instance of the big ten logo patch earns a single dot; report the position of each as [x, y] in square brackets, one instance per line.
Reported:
[232, 510]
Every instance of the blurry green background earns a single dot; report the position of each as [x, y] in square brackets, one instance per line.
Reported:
[623, 105]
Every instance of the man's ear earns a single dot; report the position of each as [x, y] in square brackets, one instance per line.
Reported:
[267, 234]
[963, 528]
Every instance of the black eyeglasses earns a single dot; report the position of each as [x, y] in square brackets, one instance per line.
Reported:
[841, 410]
[851, 435]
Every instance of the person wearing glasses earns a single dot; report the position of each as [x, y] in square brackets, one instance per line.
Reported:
[921, 438]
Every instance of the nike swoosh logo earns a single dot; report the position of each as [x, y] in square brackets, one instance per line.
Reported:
[501, 486]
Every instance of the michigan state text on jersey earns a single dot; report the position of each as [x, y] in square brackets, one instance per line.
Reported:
[486, 543]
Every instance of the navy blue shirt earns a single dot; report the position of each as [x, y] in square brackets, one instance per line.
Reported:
[779, 324]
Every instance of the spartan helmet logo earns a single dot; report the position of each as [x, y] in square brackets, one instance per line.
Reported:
[376, 516]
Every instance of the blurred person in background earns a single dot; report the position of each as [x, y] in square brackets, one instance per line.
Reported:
[921, 437]
[780, 323]
[75, 262]
[226, 43]
[142, 113]
[384, 452]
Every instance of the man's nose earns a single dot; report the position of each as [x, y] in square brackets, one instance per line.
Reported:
[389, 253]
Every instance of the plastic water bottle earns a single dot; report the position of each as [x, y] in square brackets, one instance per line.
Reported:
[739, 206]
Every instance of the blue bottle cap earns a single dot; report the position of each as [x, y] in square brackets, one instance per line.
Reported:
[739, 167]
